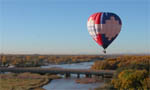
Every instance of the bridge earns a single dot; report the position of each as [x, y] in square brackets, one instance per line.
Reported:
[67, 72]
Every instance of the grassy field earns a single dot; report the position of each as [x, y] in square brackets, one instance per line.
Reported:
[24, 81]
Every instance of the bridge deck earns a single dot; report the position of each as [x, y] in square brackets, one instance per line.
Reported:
[58, 71]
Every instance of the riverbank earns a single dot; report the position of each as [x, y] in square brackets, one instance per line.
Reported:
[88, 80]
[41, 60]
[24, 81]
[132, 72]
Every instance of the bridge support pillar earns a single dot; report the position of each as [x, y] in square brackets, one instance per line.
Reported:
[103, 76]
[98, 76]
[67, 75]
[78, 75]
[107, 76]
[88, 75]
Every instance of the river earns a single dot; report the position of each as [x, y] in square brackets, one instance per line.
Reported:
[69, 83]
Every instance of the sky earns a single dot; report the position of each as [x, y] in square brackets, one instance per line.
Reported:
[59, 26]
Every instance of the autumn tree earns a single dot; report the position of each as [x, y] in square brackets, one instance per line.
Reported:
[4, 60]
[131, 80]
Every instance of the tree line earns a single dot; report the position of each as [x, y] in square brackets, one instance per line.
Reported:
[132, 72]
[38, 60]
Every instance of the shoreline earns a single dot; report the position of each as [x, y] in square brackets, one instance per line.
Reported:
[62, 63]
[40, 87]
[13, 81]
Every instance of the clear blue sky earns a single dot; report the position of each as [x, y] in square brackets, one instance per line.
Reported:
[59, 26]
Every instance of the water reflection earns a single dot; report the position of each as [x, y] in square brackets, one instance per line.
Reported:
[69, 83]
[83, 65]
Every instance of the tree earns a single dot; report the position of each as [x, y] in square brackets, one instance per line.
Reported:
[4, 60]
[131, 80]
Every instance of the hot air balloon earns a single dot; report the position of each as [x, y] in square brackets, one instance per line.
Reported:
[104, 27]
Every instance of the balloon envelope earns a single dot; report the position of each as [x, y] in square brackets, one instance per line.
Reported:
[104, 27]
